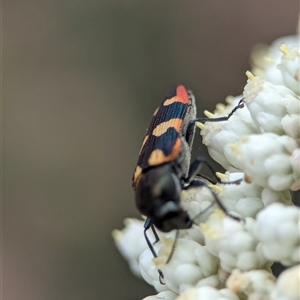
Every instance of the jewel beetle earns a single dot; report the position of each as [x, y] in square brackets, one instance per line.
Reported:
[164, 165]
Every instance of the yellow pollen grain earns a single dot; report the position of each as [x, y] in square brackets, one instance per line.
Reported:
[200, 125]
[269, 59]
[284, 49]
[117, 234]
[229, 99]
[168, 242]
[159, 261]
[208, 114]
[279, 130]
[216, 189]
[204, 227]
[222, 176]
[184, 194]
[220, 213]
[244, 139]
[220, 107]
[128, 221]
[250, 76]
[235, 149]
[209, 232]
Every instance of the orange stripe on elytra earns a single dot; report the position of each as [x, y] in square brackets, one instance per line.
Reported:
[162, 128]
[158, 157]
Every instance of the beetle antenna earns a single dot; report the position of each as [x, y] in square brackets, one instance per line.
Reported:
[241, 104]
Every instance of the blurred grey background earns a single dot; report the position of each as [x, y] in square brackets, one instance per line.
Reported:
[80, 81]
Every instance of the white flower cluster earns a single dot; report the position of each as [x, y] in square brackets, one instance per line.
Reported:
[277, 229]
[223, 258]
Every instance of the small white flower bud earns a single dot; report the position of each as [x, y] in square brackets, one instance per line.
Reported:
[269, 196]
[290, 125]
[213, 281]
[266, 160]
[265, 59]
[248, 199]
[277, 229]
[233, 242]
[196, 200]
[290, 67]
[268, 104]
[255, 284]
